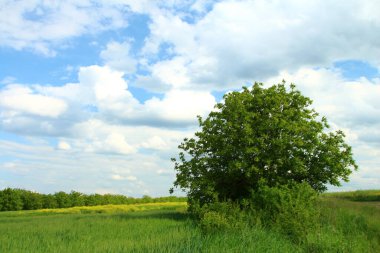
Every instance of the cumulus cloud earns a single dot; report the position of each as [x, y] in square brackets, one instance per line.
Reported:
[8, 80]
[107, 91]
[63, 145]
[98, 85]
[117, 177]
[41, 25]
[117, 56]
[155, 142]
[181, 106]
[107, 85]
[102, 137]
[99, 114]
[131, 178]
[96, 136]
[18, 99]
[43, 169]
[118, 143]
[239, 41]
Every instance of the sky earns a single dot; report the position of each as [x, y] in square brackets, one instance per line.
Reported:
[96, 95]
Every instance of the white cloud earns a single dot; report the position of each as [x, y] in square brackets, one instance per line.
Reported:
[172, 72]
[96, 136]
[141, 6]
[181, 105]
[120, 178]
[164, 172]
[63, 145]
[100, 101]
[42, 25]
[239, 41]
[106, 90]
[117, 56]
[8, 80]
[155, 142]
[9, 165]
[201, 5]
[106, 84]
[131, 178]
[21, 99]
[117, 142]
[99, 136]
[48, 170]
[98, 86]
[117, 177]
[169, 28]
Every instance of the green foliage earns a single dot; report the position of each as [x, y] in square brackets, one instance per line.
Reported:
[19, 199]
[49, 201]
[288, 209]
[10, 199]
[291, 209]
[218, 216]
[31, 200]
[214, 221]
[63, 199]
[77, 198]
[267, 135]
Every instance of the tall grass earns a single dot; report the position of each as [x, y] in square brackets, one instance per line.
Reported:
[349, 222]
[98, 209]
[344, 226]
[163, 230]
[360, 195]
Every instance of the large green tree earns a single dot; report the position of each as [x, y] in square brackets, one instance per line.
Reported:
[259, 136]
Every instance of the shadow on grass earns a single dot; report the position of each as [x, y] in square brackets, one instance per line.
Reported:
[365, 198]
[357, 196]
[156, 214]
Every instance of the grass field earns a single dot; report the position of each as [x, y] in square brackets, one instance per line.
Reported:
[125, 228]
[346, 226]
[351, 223]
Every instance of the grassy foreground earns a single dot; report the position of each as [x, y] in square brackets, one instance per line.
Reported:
[156, 227]
[346, 226]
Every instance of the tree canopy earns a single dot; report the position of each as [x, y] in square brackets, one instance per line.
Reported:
[259, 136]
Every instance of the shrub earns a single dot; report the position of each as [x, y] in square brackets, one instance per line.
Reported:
[31, 200]
[219, 215]
[214, 221]
[291, 209]
[10, 200]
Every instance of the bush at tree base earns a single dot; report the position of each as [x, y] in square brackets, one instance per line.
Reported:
[289, 209]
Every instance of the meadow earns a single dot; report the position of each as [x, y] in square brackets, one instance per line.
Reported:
[347, 224]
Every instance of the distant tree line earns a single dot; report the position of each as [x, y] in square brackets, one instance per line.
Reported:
[20, 199]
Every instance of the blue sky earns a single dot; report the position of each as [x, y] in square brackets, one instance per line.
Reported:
[95, 96]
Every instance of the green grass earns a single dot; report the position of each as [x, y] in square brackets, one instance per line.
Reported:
[167, 229]
[351, 220]
[98, 209]
[360, 195]
[345, 226]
